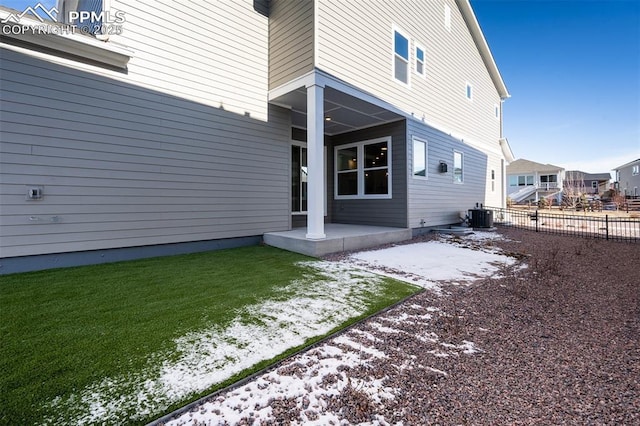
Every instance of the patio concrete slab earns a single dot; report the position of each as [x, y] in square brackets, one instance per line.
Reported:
[340, 237]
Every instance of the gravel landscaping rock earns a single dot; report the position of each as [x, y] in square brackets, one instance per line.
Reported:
[555, 342]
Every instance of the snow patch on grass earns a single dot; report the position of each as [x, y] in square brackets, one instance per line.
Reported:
[320, 302]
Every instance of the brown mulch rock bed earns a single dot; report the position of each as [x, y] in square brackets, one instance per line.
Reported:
[559, 340]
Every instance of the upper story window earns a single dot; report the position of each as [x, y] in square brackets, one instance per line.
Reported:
[419, 158]
[458, 167]
[496, 111]
[86, 15]
[635, 169]
[420, 61]
[447, 17]
[469, 91]
[400, 57]
[363, 169]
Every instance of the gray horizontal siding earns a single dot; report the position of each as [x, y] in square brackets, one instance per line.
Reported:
[123, 165]
[380, 212]
[438, 200]
[291, 47]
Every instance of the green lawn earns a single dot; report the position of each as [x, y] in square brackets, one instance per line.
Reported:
[71, 332]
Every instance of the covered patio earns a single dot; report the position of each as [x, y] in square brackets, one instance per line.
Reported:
[326, 107]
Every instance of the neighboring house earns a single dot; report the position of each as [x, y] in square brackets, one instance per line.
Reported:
[529, 181]
[587, 183]
[628, 178]
[196, 125]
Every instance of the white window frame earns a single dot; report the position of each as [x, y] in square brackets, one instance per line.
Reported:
[635, 169]
[413, 158]
[493, 180]
[394, 55]
[468, 91]
[455, 180]
[447, 17]
[417, 47]
[360, 170]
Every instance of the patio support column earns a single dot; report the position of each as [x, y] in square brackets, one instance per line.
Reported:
[315, 162]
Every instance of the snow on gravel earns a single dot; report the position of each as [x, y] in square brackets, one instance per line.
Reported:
[303, 389]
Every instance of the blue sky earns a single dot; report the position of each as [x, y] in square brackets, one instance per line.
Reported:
[573, 71]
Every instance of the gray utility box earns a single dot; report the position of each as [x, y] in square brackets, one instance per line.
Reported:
[481, 218]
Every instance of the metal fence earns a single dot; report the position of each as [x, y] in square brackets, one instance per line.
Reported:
[603, 226]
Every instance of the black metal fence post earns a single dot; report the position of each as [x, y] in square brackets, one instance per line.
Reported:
[606, 224]
[536, 220]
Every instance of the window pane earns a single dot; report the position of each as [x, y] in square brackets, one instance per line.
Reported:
[295, 178]
[303, 179]
[401, 45]
[348, 183]
[376, 182]
[513, 180]
[529, 180]
[348, 159]
[457, 167]
[375, 155]
[401, 68]
[419, 158]
[419, 54]
[419, 68]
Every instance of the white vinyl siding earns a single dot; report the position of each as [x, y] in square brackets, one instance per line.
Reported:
[356, 52]
[290, 40]
[183, 147]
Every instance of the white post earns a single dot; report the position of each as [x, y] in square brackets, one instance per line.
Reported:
[315, 162]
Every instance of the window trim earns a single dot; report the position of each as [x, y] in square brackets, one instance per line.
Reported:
[496, 111]
[635, 169]
[455, 180]
[395, 29]
[468, 91]
[447, 17]
[360, 170]
[416, 47]
[415, 139]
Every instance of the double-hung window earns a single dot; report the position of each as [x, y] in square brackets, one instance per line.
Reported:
[400, 57]
[363, 169]
[420, 61]
[458, 165]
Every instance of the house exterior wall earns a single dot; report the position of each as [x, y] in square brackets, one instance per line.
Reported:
[380, 212]
[628, 182]
[291, 40]
[183, 146]
[436, 199]
[355, 44]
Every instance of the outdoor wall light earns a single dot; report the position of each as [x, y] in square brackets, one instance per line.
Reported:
[442, 168]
